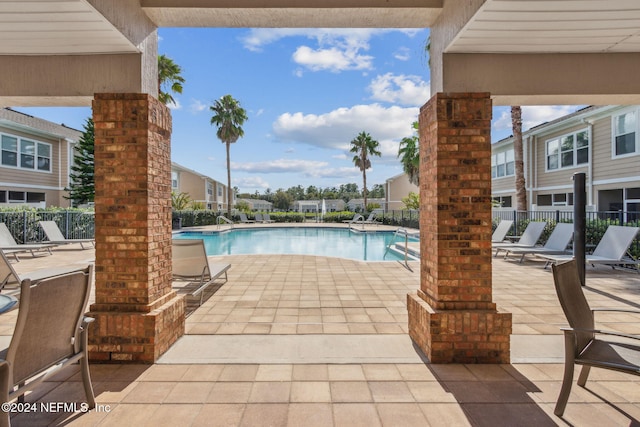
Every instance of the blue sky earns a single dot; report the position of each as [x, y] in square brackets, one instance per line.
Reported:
[308, 93]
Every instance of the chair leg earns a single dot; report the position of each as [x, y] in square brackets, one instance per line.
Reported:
[584, 374]
[5, 420]
[84, 368]
[567, 379]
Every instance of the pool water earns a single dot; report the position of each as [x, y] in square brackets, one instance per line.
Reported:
[334, 242]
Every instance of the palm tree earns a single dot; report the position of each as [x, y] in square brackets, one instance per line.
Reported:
[168, 75]
[518, 155]
[409, 153]
[229, 117]
[364, 146]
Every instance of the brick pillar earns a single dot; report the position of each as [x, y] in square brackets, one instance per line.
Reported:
[138, 316]
[452, 317]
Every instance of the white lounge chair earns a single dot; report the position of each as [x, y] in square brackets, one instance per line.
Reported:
[190, 263]
[371, 219]
[610, 250]
[258, 217]
[357, 218]
[529, 237]
[244, 219]
[10, 280]
[54, 235]
[267, 218]
[556, 244]
[10, 247]
[501, 231]
[50, 334]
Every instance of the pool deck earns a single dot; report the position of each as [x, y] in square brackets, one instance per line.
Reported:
[319, 341]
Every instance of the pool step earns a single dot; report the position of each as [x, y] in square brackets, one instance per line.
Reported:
[413, 248]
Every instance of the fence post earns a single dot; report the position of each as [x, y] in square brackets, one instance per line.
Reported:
[579, 223]
[515, 223]
[557, 216]
[24, 226]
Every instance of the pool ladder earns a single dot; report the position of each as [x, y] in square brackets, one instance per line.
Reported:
[406, 233]
[222, 218]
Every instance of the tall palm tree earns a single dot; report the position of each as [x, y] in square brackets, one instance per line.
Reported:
[168, 75]
[364, 146]
[409, 154]
[518, 156]
[229, 117]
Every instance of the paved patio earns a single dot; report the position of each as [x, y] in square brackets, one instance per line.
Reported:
[313, 341]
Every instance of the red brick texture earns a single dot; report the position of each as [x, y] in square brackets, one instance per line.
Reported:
[138, 316]
[452, 317]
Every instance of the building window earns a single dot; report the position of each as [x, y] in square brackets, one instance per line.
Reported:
[26, 154]
[503, 164]
[174, 180]
[568, 151]
[503, 201]
[219, 191]
[624, 134]
[558, 199]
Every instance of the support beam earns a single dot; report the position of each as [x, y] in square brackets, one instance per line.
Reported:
[539, 79]
[67, 80]
[452, 317]
[294, 13]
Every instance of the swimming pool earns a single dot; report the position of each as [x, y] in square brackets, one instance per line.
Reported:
[335, 242]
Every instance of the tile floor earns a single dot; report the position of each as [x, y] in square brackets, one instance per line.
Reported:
[301, 295]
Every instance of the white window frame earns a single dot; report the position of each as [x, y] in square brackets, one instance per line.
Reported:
[36, 154]
[176, 180]
[614, 134]
[574, 150]
[500, 160]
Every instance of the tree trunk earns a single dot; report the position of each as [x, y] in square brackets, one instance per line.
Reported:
[364, 190]
[229, 189]
[521, 190]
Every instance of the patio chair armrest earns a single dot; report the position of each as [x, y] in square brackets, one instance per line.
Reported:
[600, 332]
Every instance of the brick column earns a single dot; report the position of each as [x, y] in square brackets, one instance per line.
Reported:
[138, 316]
[452, 317]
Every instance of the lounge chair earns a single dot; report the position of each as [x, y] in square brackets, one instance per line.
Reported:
[528, 239]
[54, 235]
[501, 231]
[267, 218]
[10, 247]
[190, 263]
[244, 219]
[10, 280]
[357, 218]
[583, 344]
[50, 334]
[610, 250]
[258, 217]
[556, 244]
[371, 219]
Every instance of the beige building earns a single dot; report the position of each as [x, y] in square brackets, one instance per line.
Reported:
[602, 142]
[36, 159]
[258, 204]
[201, 188]
[396, 188]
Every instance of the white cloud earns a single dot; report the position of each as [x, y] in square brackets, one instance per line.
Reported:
[333, 59]
[251, 183]
[533, 116]
[402, 89]
[260, 112]
[336, 129]
[197, 106]
[402, 54]
[342, 156]
[307, 168]
[175, 105]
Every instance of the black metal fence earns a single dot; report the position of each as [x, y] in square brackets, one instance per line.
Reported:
[24, 226]
[596, 222]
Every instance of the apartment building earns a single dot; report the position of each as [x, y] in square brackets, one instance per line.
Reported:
[35, 162]
[397, 188]
[601, 141]
[200, 188]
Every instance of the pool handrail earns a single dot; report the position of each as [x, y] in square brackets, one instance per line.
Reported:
[224, 219]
